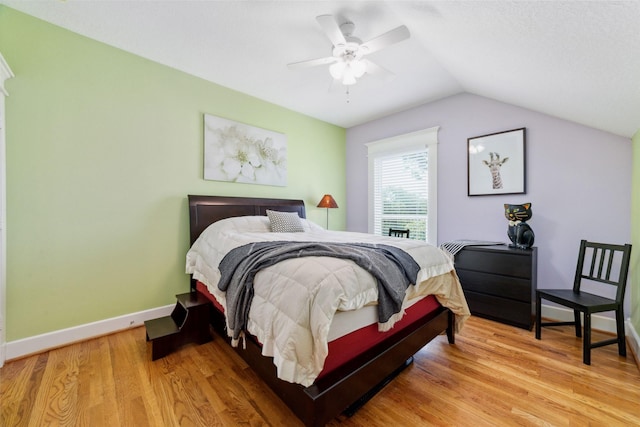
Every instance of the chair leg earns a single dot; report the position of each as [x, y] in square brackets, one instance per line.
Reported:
[586, 341]
[622, 345]
[578, 323]
[538, 316]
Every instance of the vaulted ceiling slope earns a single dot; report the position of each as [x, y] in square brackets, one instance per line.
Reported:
[576, 60]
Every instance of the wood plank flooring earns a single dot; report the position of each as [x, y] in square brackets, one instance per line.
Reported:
[495, 375]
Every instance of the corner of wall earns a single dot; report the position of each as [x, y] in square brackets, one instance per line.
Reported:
[635, 234]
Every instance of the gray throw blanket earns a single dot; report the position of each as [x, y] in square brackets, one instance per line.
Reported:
[393, 269]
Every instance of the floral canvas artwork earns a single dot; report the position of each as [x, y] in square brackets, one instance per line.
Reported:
[237, 152]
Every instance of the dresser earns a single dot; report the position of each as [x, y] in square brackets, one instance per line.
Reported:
[499, 282]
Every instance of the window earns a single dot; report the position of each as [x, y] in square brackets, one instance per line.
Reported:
[402, 184]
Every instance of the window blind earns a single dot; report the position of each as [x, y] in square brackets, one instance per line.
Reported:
[401, 192]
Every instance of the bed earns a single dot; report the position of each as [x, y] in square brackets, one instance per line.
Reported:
[355, 367]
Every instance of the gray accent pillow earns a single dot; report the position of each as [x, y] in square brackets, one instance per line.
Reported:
[285, 222]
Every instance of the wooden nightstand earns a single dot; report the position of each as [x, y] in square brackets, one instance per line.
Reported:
[188, 323]
[499, 282]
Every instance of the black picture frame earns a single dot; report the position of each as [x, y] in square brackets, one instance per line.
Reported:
[496, 163]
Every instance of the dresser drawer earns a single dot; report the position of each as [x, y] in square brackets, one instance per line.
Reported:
[501, 309]
[496, 285]
[495, 261]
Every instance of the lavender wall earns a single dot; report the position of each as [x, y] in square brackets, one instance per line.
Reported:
[578, 179]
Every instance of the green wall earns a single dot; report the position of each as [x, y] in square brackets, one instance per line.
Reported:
[102, 149]
[635, 234]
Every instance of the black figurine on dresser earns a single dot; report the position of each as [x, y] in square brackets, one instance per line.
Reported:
[499, 282]
[519, 232]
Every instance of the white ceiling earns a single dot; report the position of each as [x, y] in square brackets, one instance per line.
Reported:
[572, 59]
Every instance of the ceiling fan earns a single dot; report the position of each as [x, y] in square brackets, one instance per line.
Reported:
[348, 62]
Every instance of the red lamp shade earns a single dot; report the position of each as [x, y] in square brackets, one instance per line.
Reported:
[327, 202]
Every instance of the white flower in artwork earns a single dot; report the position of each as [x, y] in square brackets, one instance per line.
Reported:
[240, 160]
[235, 153]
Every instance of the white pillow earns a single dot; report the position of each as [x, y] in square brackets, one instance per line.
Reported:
[243, 224]
[255, 224]
[311, 226]
[285, 222]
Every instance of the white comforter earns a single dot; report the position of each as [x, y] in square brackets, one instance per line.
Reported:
[295, 300]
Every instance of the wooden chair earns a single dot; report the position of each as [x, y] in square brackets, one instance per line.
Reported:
[595, 264]
[398, 232]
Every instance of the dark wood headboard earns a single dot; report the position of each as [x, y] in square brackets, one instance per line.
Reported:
[205, 210]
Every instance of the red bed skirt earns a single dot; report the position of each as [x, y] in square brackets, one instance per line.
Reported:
[347, 347]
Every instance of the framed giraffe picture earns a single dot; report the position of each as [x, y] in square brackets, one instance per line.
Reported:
[496, 163]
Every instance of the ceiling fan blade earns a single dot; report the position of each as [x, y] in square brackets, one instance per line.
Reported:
[377, 71]
[390, 37]
[312, 62]
[331, 29]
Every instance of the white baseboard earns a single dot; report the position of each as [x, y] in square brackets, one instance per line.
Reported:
[601, 323]
[50, 340]
[40, 343]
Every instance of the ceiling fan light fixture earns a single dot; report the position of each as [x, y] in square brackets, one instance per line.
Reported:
[348, 78]
[347, 71]
[337, 70]
[358, 68]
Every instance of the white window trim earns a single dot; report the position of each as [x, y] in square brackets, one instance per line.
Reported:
[427, 138]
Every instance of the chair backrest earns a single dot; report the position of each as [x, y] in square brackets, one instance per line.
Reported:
[600, 261]
[397, 232]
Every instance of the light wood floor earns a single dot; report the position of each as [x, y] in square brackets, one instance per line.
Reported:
[494, 375]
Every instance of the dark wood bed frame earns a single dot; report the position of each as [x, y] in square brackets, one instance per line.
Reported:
[350, 385]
